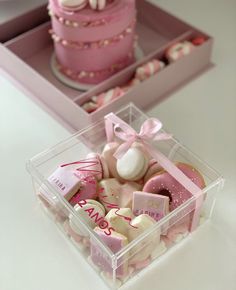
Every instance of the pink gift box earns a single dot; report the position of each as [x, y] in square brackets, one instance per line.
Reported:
[26, 60]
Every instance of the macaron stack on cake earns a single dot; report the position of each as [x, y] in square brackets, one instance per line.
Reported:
[93, 39]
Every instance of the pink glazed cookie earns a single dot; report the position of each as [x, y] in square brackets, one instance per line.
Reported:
[96, 165]
[163, 183]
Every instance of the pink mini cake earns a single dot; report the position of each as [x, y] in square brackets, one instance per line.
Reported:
[91, 44]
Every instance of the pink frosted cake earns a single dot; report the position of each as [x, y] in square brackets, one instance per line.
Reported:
[93, 39]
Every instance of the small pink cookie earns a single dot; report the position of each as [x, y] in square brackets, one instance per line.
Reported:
[94, 164]
[65, 181]
[115, 242]
[149, 69]
[155, 205]
[153, 168]
[178, 50]
[164, 184]
[88, 189]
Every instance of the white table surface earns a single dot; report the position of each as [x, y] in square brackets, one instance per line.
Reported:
[202, 115]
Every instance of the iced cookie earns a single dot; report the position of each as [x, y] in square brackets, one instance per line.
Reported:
[133, 165]
[94, 164]
[119, 220]
[164, 184]
[91, 212]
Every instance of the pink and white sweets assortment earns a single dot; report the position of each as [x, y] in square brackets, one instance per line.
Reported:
[119, 199]
[144, 72]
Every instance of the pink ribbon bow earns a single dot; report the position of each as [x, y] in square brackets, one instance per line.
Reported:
[149, 132]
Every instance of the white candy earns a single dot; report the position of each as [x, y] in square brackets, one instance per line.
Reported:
[97, 4]
[120, 219]
[144, 249]
[88, 219]
[133, 165]
[73, 3]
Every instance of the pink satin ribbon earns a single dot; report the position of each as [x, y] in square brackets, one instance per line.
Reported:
[149, 133]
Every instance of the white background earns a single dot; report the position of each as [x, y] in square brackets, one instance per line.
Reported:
[202, 115]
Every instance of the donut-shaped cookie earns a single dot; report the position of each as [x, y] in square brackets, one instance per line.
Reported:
[163, 183]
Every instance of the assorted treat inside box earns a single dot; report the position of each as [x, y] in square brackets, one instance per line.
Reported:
[121, 193]
[143, 72]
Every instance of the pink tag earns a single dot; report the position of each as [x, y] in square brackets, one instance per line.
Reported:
[64, 181]
[155, 205]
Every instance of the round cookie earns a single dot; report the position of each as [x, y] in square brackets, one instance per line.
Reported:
[96, 165]
[163, 183]
[133, 165]
[89, 205]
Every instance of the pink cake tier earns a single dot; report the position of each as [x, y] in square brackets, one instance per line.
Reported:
[92, 45]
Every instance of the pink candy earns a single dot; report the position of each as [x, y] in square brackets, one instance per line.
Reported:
[108, 96]
[149, 69]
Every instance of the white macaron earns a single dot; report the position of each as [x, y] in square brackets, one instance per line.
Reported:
[132, 165]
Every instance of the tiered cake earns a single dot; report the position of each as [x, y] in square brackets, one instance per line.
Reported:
[93, 39]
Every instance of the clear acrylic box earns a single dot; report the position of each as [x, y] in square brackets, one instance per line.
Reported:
[118, 267]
